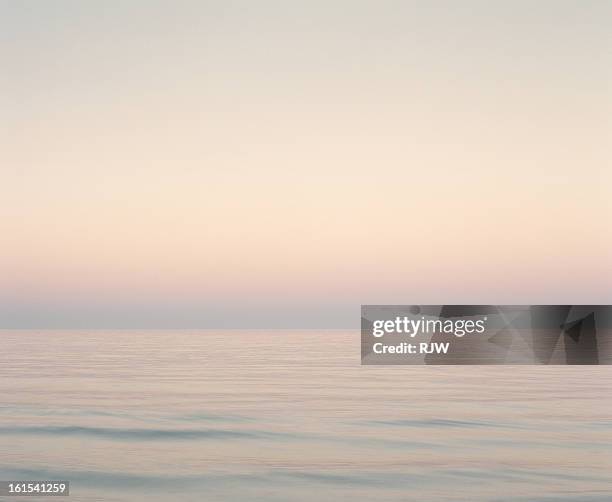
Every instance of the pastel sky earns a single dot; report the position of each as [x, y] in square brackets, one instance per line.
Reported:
[279, 163]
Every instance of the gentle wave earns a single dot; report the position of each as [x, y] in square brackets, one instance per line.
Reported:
[137, 434]
[142, 434]
[122, 480]
[442, 423]
[115, 481]
[190, 417]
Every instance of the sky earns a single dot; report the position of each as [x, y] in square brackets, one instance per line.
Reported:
[272, 164]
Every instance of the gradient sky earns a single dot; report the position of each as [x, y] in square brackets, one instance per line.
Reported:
[279, 163]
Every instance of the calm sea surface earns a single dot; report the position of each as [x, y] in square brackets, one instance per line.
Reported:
[291, 415]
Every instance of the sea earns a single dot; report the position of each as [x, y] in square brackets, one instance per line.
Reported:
[278, 415]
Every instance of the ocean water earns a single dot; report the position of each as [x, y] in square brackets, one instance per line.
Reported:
[292, 416]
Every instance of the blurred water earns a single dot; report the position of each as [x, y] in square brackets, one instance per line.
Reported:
[291, 415]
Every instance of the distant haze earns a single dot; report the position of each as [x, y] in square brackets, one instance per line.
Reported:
[277, 164]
